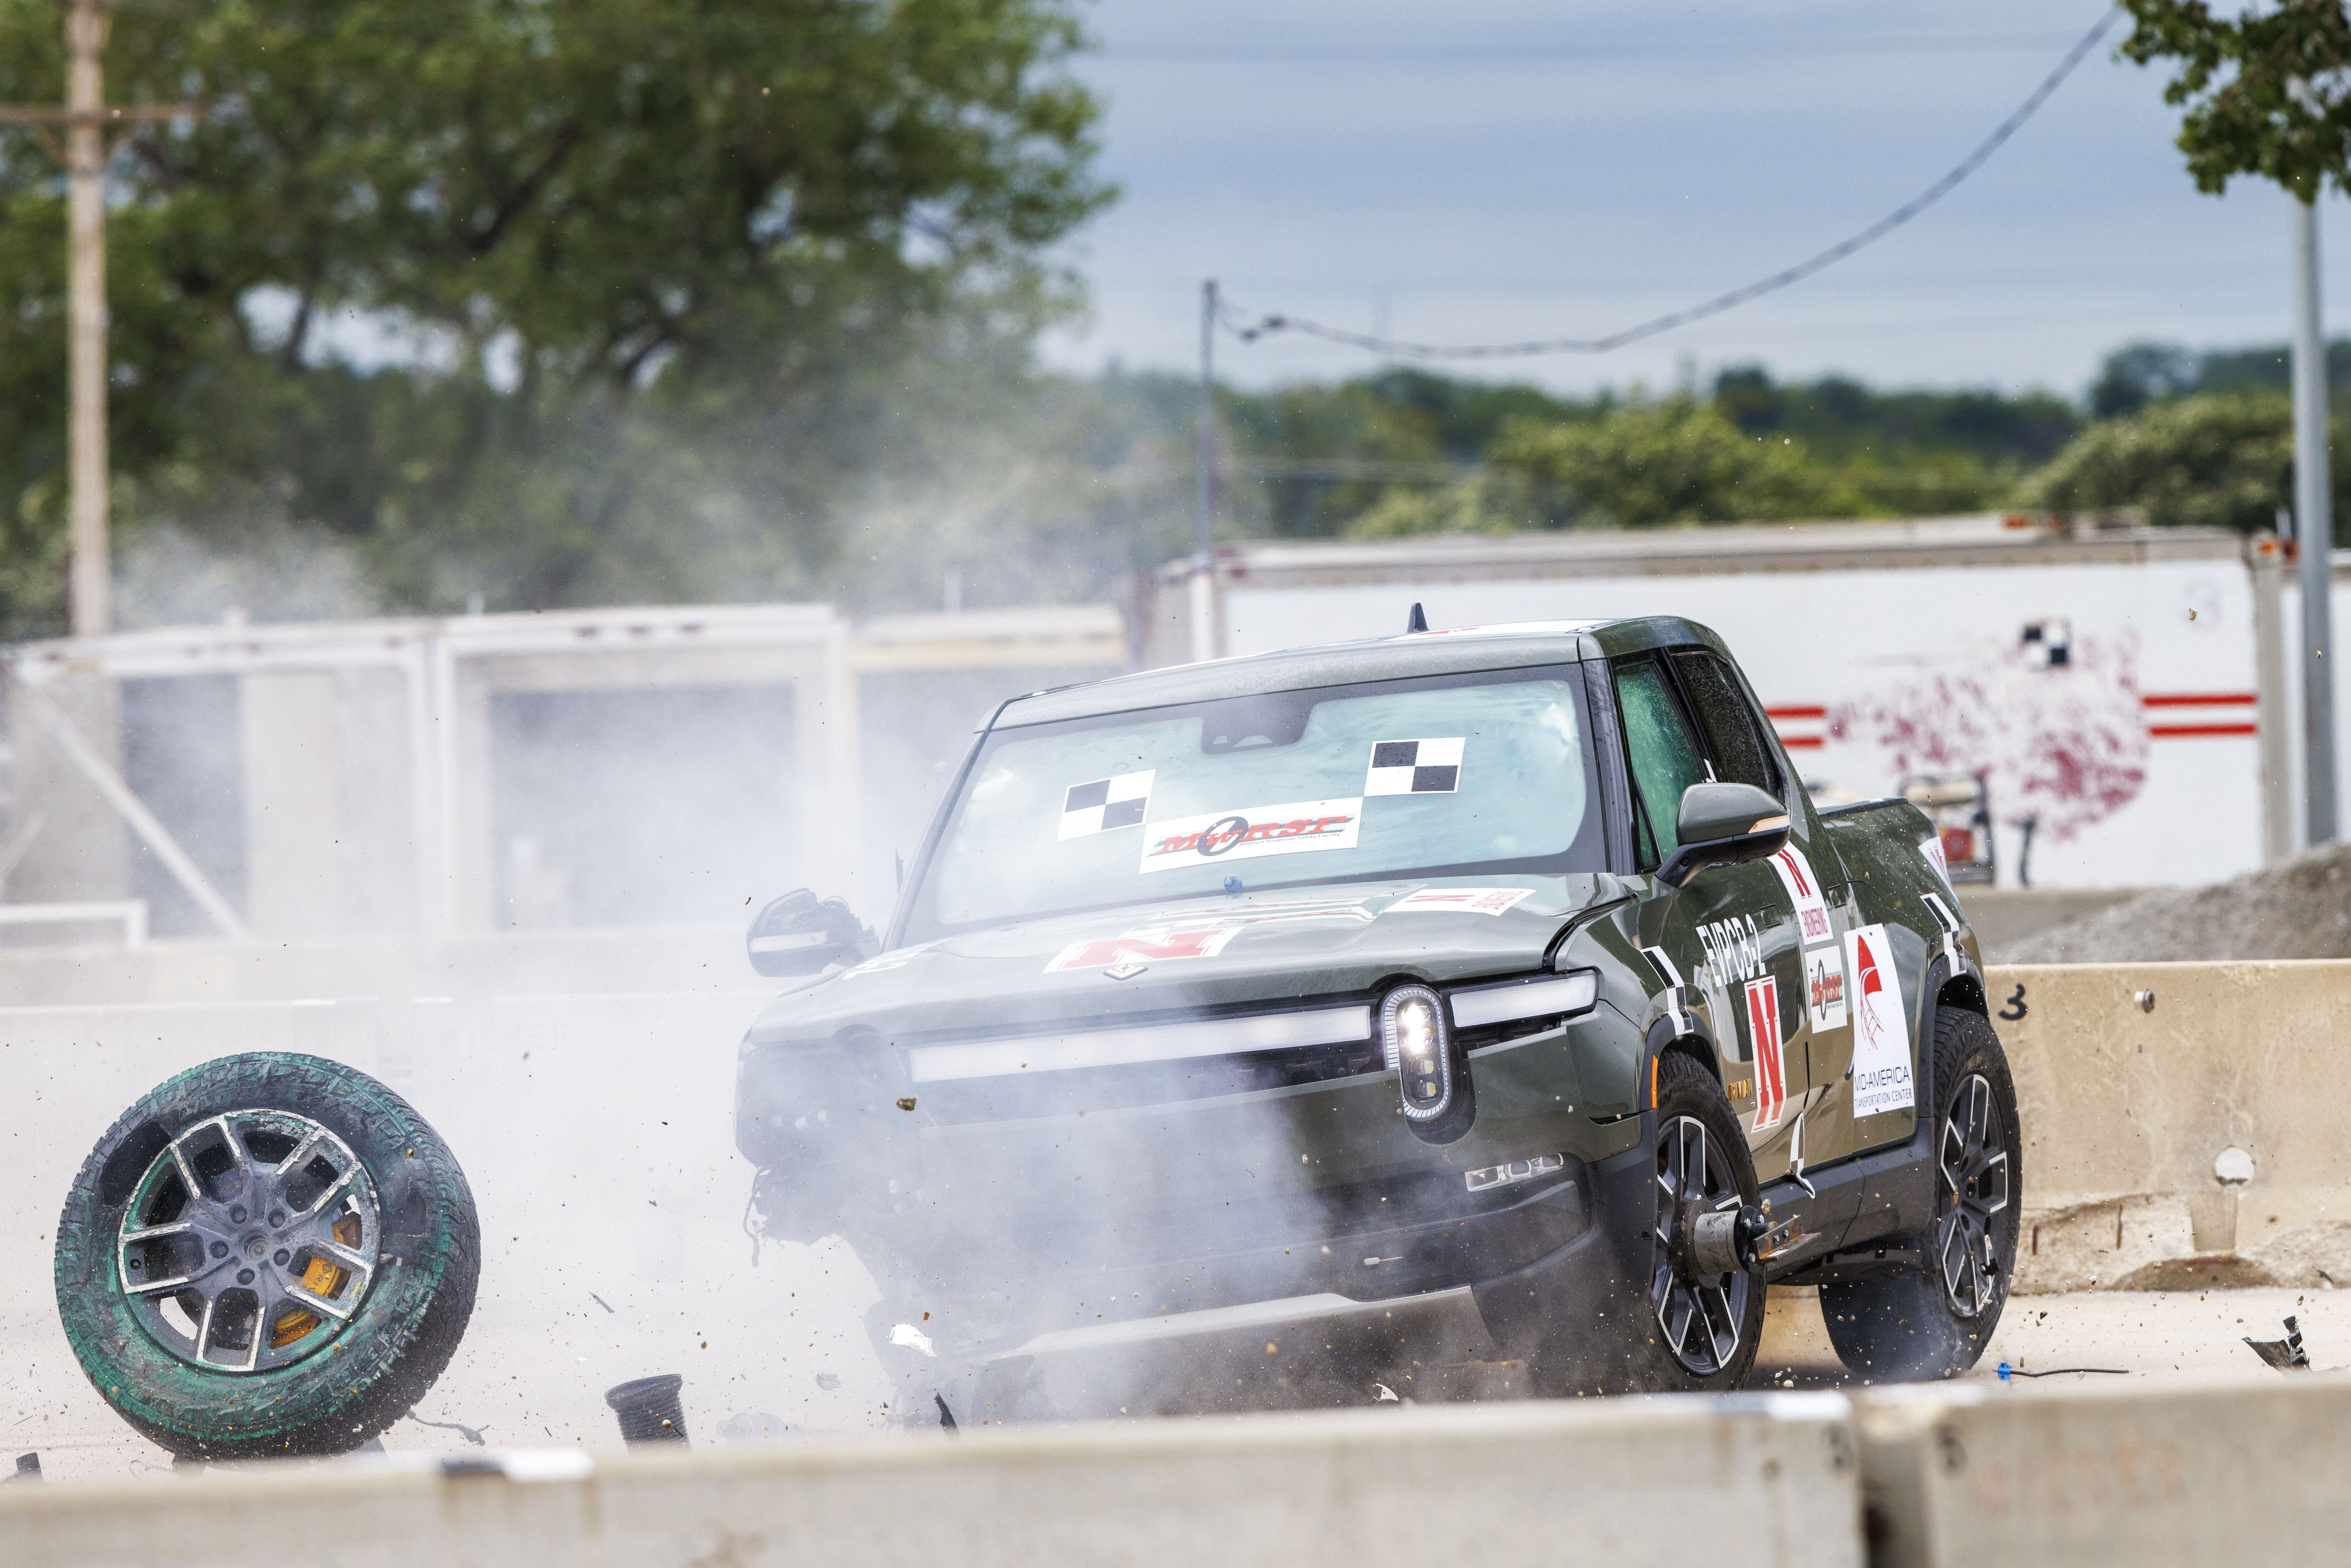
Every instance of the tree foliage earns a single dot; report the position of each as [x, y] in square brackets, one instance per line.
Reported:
[647, 255]
[2211, 461]
[2267, 90]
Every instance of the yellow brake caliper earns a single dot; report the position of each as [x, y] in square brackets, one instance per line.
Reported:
[320, 1278]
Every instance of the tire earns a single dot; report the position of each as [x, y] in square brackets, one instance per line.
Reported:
[1933, 1321]
[360, 1222]
[1698, 1332]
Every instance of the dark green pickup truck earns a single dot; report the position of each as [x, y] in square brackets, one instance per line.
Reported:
[1289, 1029]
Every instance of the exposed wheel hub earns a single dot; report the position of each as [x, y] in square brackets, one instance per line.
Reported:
[1700, 1304]
[220, 1291]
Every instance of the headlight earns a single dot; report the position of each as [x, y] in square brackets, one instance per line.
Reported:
[1419, 1046]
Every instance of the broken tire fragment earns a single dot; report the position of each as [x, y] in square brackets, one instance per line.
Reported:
[268, 1255]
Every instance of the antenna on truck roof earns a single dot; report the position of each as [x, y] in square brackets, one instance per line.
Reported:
[1416, 622]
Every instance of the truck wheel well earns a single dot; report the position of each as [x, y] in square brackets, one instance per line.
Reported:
[1696, 1049]
[1964, 992]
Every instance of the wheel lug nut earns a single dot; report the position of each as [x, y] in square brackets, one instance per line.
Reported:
[283, 1257]
[220, 1248]
[245, 1275]
[277, 1217]
[236, 1213]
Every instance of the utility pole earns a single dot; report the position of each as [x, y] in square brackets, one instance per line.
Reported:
[2313, 531]
[91, 586]
[89, 596]
[1203, 584]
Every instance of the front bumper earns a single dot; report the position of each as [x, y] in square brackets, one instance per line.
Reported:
[1479, 1315]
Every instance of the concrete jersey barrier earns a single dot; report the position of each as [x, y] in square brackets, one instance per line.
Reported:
[1624, 1482]
[2134, 1080]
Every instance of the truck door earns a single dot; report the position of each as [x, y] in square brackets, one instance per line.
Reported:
[1730, 931]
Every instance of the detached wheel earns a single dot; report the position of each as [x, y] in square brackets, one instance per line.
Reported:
[268, 1255]
[1702, 1327]
[1935, 1322]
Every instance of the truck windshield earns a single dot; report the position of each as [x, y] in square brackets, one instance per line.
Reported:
[1482, 774]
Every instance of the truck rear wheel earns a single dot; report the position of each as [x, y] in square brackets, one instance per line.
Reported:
[268, 1255]
[1934, 1320]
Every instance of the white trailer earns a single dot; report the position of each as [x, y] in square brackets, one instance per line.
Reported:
[2126, 689]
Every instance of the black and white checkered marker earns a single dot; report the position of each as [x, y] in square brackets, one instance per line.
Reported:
[1415, 767]
[1105, 804]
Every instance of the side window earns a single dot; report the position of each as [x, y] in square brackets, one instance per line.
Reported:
[1741, 752]
[1662, 747]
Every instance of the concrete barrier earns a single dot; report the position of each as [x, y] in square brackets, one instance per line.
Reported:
[1773, 1479]
[2143, 1475]
[2134, 1080]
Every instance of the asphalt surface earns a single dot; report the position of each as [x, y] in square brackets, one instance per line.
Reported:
[532, 1370]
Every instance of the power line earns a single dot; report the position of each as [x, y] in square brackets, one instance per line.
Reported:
[1235, 321]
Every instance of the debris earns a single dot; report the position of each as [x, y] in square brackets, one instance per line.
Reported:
[828, 1380]
[599, 1300]
[911, 1338]
[1383, 1395]
[749, 1426]
[947, 1416]
[2232, 1166]
[649, 1409]
[471, 1434]
[2286, 1354]
[2006, 1372]
[907, 1103]
[28, 1469]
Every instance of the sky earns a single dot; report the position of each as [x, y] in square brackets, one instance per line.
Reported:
[1503, 169]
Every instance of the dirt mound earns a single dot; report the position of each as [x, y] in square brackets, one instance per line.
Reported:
[2300, 909]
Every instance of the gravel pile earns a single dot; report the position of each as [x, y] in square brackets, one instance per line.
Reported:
[2300, 909]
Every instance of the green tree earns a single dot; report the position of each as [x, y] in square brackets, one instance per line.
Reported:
[2212, 461]
[2267, 91]
[1673, 460]
[655, 256]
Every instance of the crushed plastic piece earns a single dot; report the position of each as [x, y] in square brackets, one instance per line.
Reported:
[2286, 1354]
[1232, 886]
[911, 1338]
[28, 1469]
[1383, 1395]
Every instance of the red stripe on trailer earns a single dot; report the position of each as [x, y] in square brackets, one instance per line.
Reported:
[2193, 731]
[2199, 699]
[1781, 713]
[1802, 742]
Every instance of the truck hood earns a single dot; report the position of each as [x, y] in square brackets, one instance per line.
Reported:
[1278, 949]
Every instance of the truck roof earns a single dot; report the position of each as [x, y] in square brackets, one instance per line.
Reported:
[1435, 652]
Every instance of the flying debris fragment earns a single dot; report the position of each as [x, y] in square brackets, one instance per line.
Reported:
[2286, 1354]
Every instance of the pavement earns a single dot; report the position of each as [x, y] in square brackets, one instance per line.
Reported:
[776, 1352]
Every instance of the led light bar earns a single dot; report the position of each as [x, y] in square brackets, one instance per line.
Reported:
[1542, 996]
[1511, 1174]
[1127, 1047]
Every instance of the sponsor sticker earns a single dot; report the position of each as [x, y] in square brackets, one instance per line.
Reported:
[1213, 838]
[1805, 891]
[1414, 767]
[1102, 804]
[1933, 849]
[1467, 900]
[1142, 947]
[1763, 1035]
[1824, 989]
[1881, 1037]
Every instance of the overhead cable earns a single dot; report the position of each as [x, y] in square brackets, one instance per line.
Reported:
[1240, 324]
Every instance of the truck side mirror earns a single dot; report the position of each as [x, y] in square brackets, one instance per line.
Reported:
[1724, 825]
[799, 933]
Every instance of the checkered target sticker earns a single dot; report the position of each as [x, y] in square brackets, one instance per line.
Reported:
[1415, 767]
[1105, 804]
